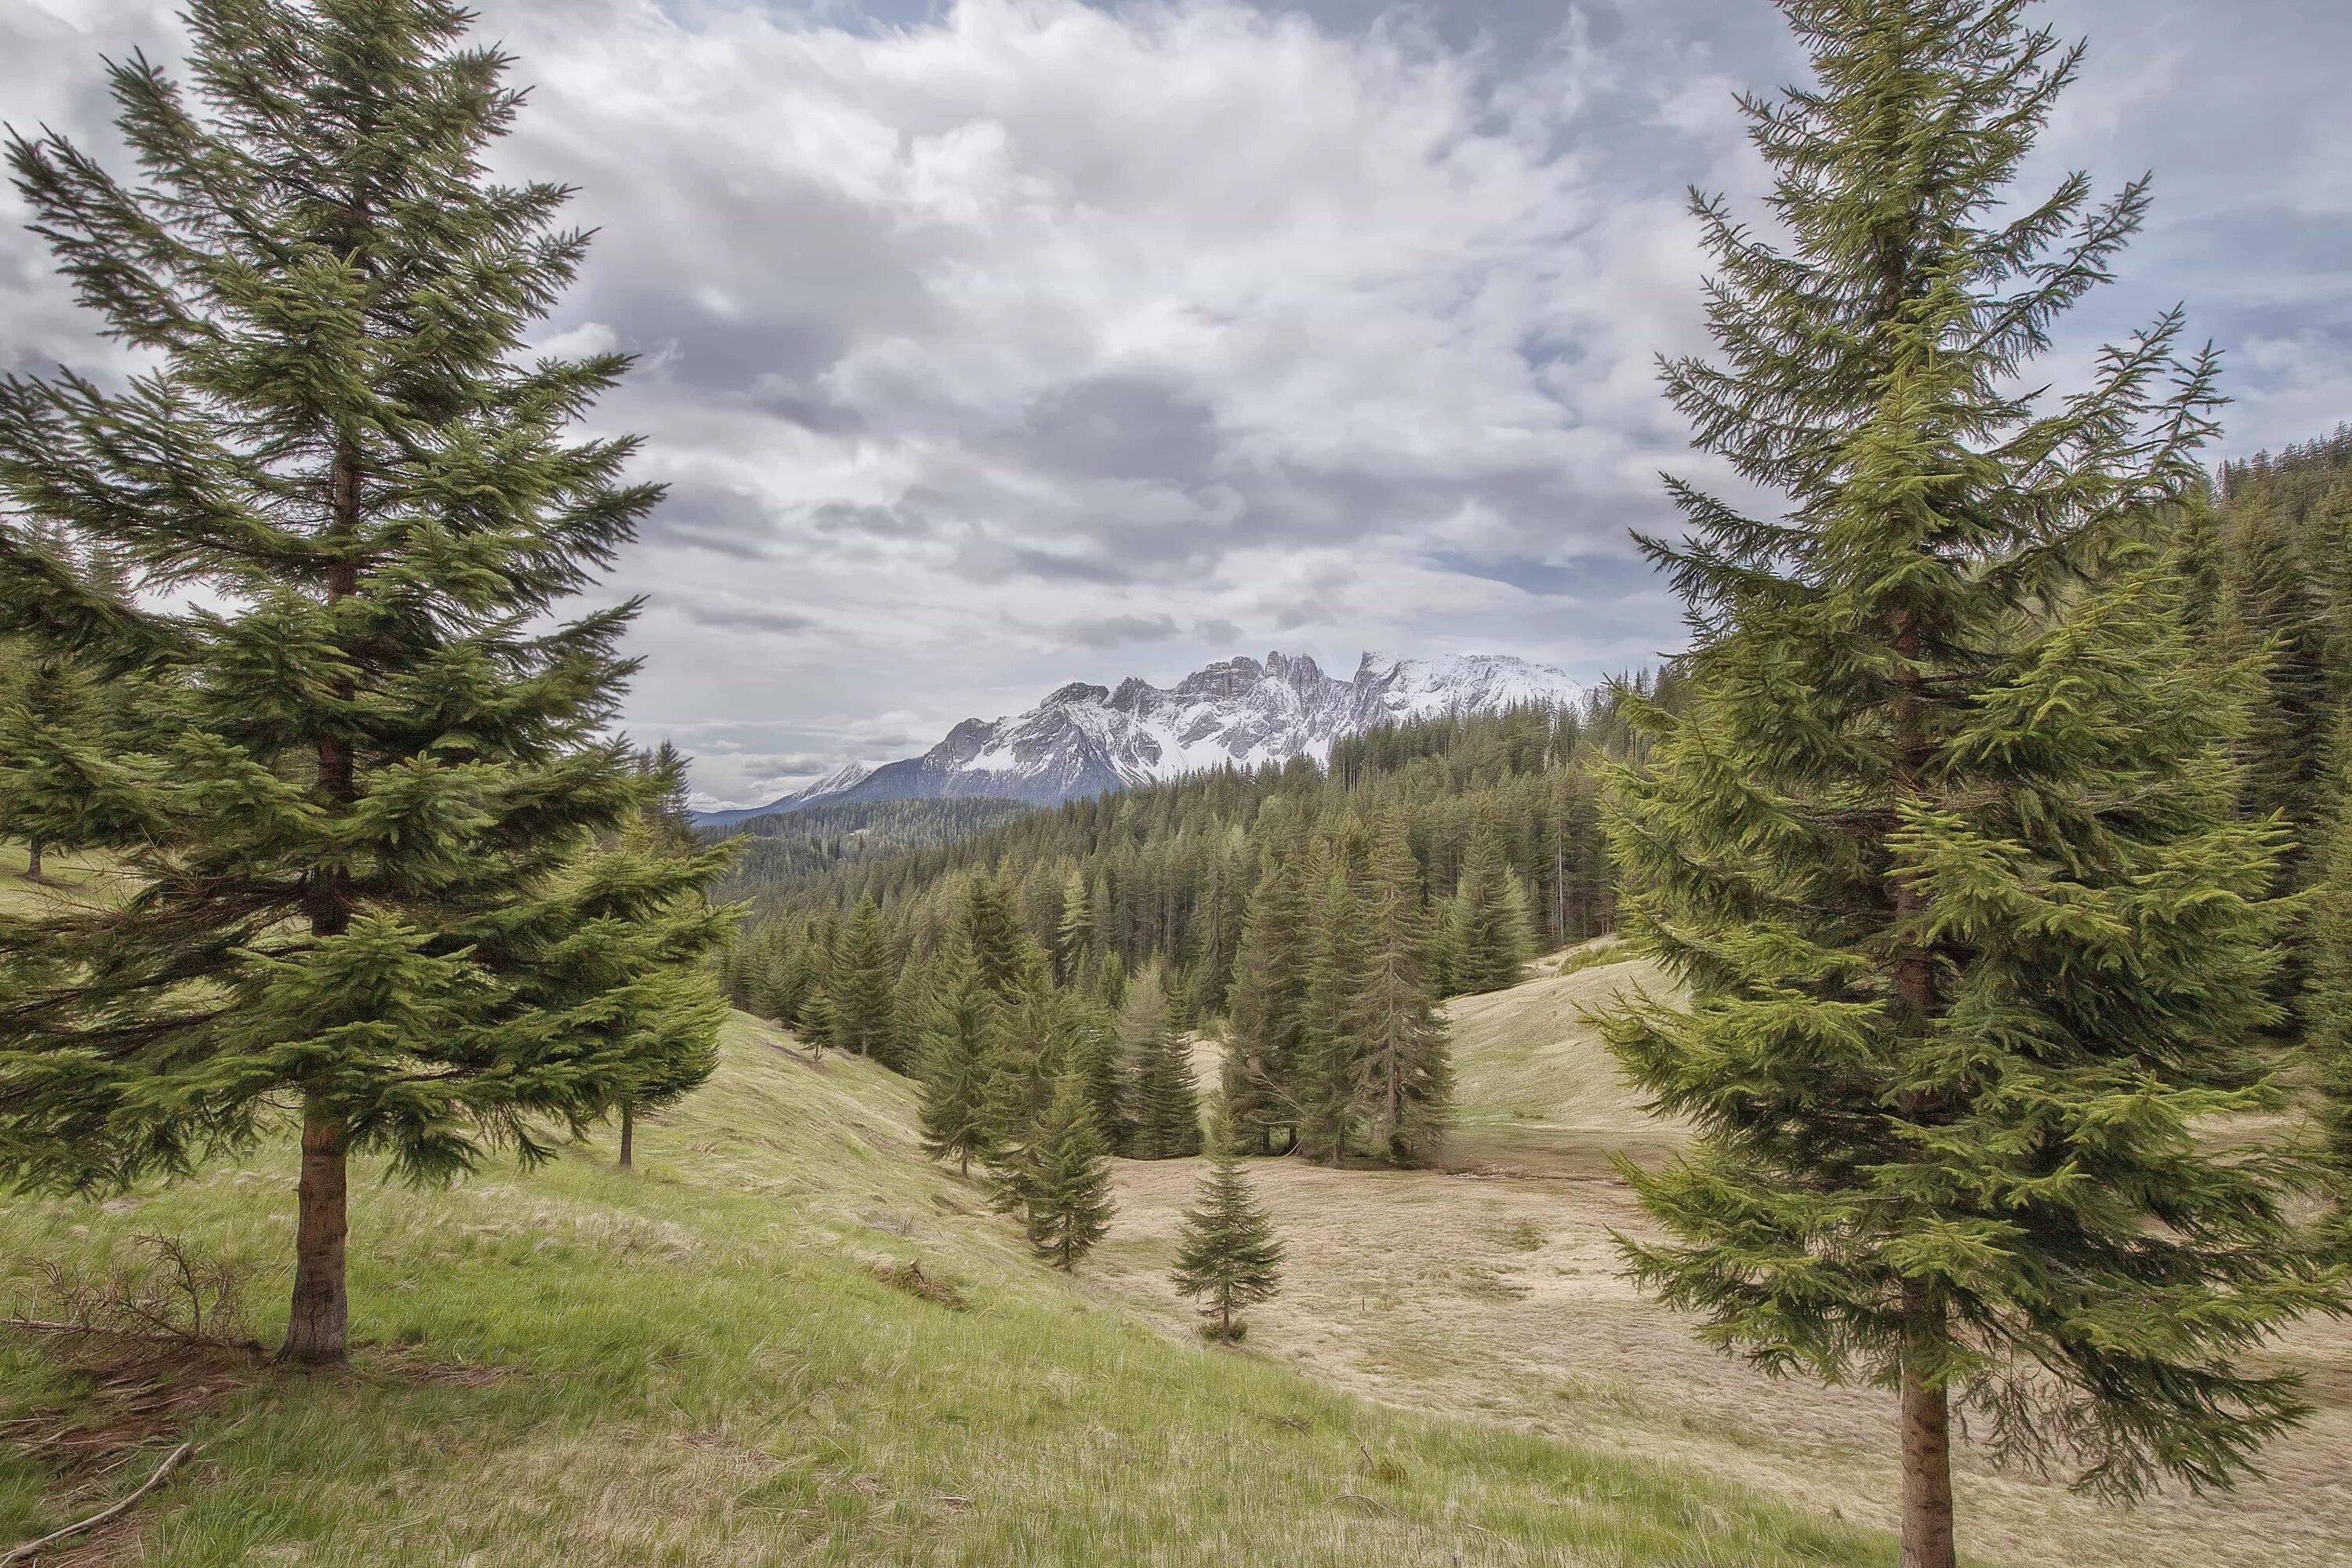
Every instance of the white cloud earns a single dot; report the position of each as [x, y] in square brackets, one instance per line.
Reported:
[1006, 347]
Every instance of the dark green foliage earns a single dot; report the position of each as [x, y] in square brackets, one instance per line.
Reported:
[958, 1065]
[861, 992]
[1268, 1001]
[1227, 1257]
[1162, 1112]
[2330, 1009]
[990, 926]
[783, 854]
[390, 862]
[1058, 1181]
[1944, 841]
[1327, 1081]
[1406, 1065]
[1486, 937]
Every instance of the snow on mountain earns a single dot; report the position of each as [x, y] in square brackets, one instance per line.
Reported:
[1083, 740]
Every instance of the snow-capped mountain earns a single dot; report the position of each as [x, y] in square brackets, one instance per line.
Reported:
[1084, 739]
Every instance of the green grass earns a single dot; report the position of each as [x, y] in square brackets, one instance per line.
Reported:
[696, 1365]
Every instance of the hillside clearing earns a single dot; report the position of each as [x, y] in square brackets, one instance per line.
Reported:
[1493, 1289]
[699, 1364]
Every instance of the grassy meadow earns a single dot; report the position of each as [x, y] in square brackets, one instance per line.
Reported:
[1491, 1288]
[702, 1363]
[725, 1358]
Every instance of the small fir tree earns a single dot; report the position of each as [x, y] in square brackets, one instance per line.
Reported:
[372, 825]
[1227, 1257]
[1063, 1186]
[1943, 838]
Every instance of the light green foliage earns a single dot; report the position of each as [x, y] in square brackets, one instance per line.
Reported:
[1944, 843]
[1162, 1113]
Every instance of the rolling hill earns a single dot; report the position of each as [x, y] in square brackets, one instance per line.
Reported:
[789, 1338]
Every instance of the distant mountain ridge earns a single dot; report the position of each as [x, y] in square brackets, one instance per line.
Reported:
[1085, 740]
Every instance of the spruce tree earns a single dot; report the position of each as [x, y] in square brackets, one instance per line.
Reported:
[666, 832]
[1487, 935]
[1074, 939]
[1943, 840]
[1270, 994]
[1063, 1186]
[1408, 1062]
[1162, 1108]
[988, 923]
[372, 835]
[958, 1065]
[1227, 1257]
[1328, 1084]
[860, 994]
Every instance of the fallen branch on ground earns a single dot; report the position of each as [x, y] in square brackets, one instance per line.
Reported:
[32, 1548]
[163, 1336]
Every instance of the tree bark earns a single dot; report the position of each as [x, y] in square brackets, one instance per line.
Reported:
[32, 859]
[1927, 1474]
[315, 1330]
[628, 1136]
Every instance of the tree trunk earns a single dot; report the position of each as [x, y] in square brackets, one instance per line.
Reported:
[1926, 1476]
[32, 859]
[628, 1136]
[314, 1332]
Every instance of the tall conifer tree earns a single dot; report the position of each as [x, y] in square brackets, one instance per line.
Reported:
[373, 840]
[1162, 1109]
[1487, 940]
[1408, 1062]
[1269, 996]
[861, 992]
[1329, 1084]
[1943, 843]
[958, 1064]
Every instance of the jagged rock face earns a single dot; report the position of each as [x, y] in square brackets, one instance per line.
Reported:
[1084, 739]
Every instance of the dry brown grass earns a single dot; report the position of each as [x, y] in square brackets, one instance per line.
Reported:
[1493, 1289]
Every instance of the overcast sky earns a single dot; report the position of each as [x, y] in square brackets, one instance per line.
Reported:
[990, 345]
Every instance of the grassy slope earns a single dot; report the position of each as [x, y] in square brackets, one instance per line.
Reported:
[695, 1365]
[1493, 1289]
